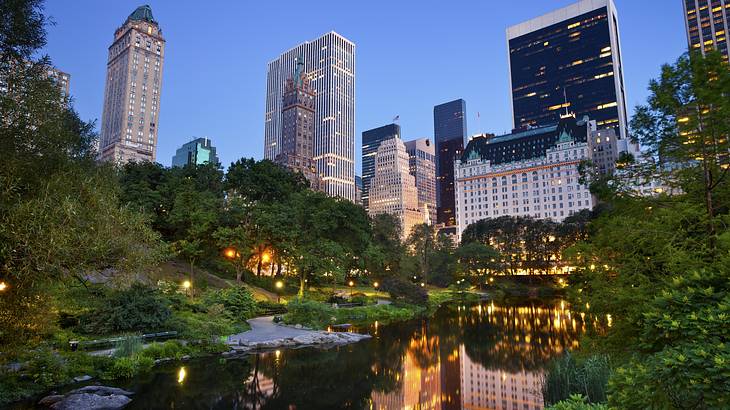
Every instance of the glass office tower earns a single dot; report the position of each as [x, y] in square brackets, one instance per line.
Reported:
[449, 128]
[371, 140]
[707, 25]
[568, 60]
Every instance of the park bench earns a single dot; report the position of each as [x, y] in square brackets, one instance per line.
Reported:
[350, 305]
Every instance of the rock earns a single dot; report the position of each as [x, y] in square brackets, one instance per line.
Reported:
[185, 358]
[79, 379]
[297, 326]
[49, 400]
[101, 391]
[88, 401]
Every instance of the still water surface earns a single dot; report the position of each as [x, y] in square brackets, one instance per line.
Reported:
[485, 355]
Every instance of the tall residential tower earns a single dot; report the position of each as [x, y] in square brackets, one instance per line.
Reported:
[707, 25]
[330, 63]
[371, 140]
[422, 163]
[449, 128]
[568, 59]
[129, 122]
[297, 127]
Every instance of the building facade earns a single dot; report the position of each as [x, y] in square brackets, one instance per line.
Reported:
[330, 63]
[530, 173]
[392, 188]
[422, 165]
[569, 58]
[198, 152]
[706, 22]
[371, 140]
[297, 127]
[129, 121]
[450, 136]
[358, 189]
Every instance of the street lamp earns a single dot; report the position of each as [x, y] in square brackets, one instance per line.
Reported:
[279, 285]
[376, 285]
[351, 284]
[187, 286]
[230, 253]
[3, 286]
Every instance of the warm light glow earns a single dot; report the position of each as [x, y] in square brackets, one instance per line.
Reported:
[187, 284]
[351, 283]
[181, 375]
[423, 284]
[230, 253]
[265, 257]
[3, 286]
[376, 284]
[279, 284]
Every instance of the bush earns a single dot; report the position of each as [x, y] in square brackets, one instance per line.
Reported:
[567, 377]
[238, 302]
[139, 308]
[128, 367]
[309, 313]
[405, 292]
[576, 402]
[128, 346]
[169, 349]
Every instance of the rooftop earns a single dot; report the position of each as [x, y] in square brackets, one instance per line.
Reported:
[142, 13]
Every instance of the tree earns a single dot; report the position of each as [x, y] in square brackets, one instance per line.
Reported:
[262, 180]
[685, 125]
[421, 242]
[477, 260]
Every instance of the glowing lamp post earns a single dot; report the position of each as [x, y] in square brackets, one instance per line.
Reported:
[3, 286]
[351, 284]
[279, 286]
[376, 285]
[187, 285]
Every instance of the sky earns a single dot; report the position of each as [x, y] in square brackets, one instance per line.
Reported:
[410, 56]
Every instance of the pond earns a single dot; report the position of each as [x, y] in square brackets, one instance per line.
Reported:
[484, 355]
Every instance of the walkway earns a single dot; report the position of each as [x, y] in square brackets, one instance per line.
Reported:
[264, 329]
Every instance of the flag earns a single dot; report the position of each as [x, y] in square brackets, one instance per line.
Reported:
[397, 117]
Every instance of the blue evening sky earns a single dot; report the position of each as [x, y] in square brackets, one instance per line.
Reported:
[410, 56]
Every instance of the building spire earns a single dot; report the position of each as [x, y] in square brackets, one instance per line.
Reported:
[299, 72]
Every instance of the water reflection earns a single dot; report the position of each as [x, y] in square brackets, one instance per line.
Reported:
[481, 356]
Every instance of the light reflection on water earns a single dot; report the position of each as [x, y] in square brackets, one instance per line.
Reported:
[480, 356]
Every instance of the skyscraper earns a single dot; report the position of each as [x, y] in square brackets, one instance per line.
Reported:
[371, 140]
[330, 62]
[198, 151]
[568, 59]
[297, 126]
[422, 165]
[707, 25]
[129, 122]
[393, 188]
[449, 130]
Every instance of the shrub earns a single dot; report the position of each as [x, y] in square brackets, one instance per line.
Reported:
[309, 313]
[128, 367]
[169, 349]
[405, 292]
[567, 377]
[576, 402]
[128, 346]
[238, 302]
[139, 308]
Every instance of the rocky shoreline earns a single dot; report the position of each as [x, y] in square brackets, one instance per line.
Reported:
[311, 339]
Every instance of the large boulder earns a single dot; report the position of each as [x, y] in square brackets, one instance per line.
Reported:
[88, 401]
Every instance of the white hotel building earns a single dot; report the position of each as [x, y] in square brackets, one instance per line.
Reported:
[329, 61]
[529, 173]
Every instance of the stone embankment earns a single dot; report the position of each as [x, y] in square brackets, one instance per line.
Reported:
[266, 335]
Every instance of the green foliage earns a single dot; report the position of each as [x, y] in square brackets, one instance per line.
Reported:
[576, 402]
[568, 376]
[139, 308]
[310, 313]
[238, 302]
[129, 367]
[169, 349]
[403, 291]
[128, 346]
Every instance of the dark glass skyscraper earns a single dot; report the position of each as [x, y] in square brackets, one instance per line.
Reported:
[568, 60]
[707, 23]
[449, 129]
[371, 140]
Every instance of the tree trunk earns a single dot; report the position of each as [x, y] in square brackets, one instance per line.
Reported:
[302, 278]
[239, 274]
[278, 269]
[258, 266]
[192, 278]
